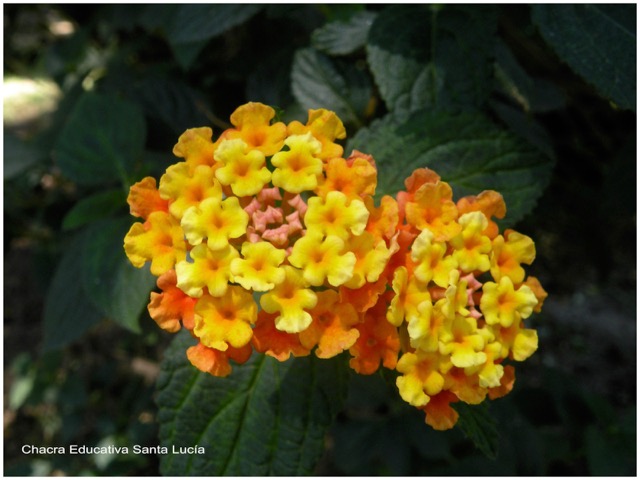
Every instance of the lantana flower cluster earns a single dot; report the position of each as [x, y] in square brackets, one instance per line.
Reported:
[268, 239]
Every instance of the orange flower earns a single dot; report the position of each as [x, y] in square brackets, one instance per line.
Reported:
[144, 198]
[172, 306]
[185, 187]
[333, 326]
[432, 207]
[356, 177]
[377, 343]
[273, 342]
[439, 413]
[216, 362]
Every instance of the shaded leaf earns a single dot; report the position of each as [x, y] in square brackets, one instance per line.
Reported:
[191, 26]
[101, 141]
[317, 82]
[118, 289]
[94, 207]
[479, 426]
[19, 156]
[344, 37]
[466, 150]
[598, 42]
[426, 56]
[266, 418]
[68, 313]
[172, 101]
[532, 94]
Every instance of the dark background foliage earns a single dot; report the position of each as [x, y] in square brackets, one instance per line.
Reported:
[81, 354]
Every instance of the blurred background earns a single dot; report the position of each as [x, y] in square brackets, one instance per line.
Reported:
[91, 382]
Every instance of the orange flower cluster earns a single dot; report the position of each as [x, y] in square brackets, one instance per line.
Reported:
[267, 239]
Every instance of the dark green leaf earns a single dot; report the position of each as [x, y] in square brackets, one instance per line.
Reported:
[173, 102]
[425, 56]
[193, 25]
[276, 67]
[479, 426]
[466, 150]
[344, 37]
[598, 42]
[195, 22]
[101, 141]
[266, 418]
[317, 83]
[118, 289]
[532, 94]
[68, 313]
[94, 207]
[19, 156]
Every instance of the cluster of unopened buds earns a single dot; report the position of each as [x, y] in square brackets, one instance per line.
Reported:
[267, 239]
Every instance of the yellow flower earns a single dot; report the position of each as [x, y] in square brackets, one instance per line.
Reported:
[471, 246]
[409, 295]
[322, 259]
[291, 299]
[462, 340]
[432, 263]
[252, 123]
[335, 215]
[326, 127]
[422, 376]
[160, 240]
[259, 269]
[455, 297]
[196, 147]
[208, 268]
[225, 321]
[216, 220]
[509, 251]
[372, 256]
[244, 170]
[501, 303]
[298, 168]
[185, 187]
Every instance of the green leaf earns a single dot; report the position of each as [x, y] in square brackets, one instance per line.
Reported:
[316, 82]
[19, 156]
[479, 426]
[94, 207]
[598, 42]
[425, 56]
[532, 94]
[193, 25]
[68, 313]
[101, 141]
[344, 37]
[172, 101]
[114, 286]
[265, 418]
[466, 150]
